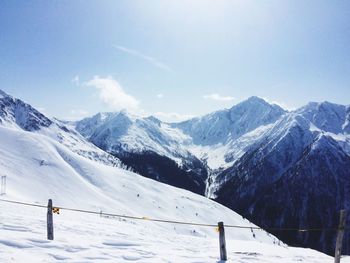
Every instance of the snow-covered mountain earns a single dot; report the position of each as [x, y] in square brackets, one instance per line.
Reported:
[122, 131]
[16, 114]
[147, 145]
[75, 181]
[295, 174]
[242, 154]
[326, 116]
[225, 125]
[177, 154]
[270, 165]
[42, 159]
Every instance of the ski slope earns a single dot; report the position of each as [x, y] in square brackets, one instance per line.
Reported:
[89, 238]
[38, 168]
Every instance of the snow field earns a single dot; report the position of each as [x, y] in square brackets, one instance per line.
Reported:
[91, 238]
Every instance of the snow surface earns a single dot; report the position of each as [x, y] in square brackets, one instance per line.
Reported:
[19, 115]
[90, 238]
[38, 168]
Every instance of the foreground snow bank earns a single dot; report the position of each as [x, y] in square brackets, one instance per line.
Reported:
[90, 238]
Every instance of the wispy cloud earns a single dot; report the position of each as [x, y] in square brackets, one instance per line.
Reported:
[160, 96]
[217, 97]
[155, 62]
[112, 94]
[172, 116]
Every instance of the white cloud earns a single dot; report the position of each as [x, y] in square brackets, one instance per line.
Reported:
[160, 96]
[217, 97]
[155, 62]
[112, 94]
[172, 116]
[76, 80]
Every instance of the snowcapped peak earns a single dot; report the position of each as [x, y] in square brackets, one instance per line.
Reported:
[255, 107]
[15, 112]
[255, 99]
[310, 106]
[126, 113]
[89, 125]
[133, 116]
[325, 115]
[250, 102]
[103, 115]
[321, 106]
[222, 126]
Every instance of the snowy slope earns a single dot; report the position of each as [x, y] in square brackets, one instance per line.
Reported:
[261, 152]
[89, 238]
[39, 168]
[123, 131]
[75, 181]
[150, 147]
[45, 159]
[16, 114]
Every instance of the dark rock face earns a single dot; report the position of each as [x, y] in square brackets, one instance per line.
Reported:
[191, 176]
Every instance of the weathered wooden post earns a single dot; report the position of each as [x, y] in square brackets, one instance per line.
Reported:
[339, 243]
[222, 241]
[49, 221]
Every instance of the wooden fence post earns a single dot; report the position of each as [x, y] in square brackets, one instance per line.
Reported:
[222, 241]
[339, 244]
[49, 221]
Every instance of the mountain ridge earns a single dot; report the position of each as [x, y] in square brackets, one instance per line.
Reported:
[251, 147]
[250, 158]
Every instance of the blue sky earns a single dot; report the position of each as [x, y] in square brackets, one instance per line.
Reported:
[173, 59]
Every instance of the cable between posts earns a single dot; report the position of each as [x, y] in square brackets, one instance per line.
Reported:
[170, 221]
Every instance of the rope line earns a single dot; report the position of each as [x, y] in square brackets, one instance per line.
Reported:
[23, 203]
[171, 221]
